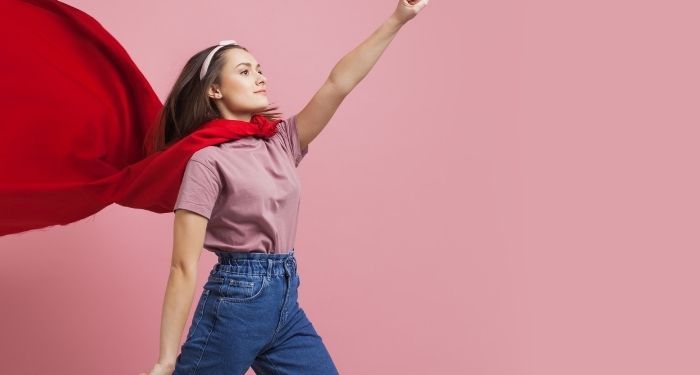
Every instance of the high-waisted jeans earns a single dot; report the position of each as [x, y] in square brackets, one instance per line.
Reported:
[248, 316]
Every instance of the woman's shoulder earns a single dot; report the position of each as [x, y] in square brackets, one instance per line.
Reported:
[283, 123]
[283, 126]
[207, 155]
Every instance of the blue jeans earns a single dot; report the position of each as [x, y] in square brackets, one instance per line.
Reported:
[248, 316]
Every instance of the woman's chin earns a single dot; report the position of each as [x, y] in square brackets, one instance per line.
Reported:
[262, 107]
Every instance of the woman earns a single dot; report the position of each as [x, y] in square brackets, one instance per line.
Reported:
[217, 141]
[238, 196]
[240, 199]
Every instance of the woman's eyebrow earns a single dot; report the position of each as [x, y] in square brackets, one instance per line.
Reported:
[245, 63]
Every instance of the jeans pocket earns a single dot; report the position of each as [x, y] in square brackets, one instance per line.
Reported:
[241, 288]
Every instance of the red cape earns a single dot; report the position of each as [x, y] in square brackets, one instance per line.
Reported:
[76, 110]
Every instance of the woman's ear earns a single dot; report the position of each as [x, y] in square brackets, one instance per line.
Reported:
[214, 92]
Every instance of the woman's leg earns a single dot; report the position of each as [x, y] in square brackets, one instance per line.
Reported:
[296, 348]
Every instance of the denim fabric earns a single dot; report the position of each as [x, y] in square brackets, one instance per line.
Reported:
[248, 316]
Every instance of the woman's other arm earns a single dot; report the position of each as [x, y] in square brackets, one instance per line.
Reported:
[354, 66]
[350, 70]
[189, 230]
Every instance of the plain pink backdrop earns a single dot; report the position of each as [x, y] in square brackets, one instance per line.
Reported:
[513, 189]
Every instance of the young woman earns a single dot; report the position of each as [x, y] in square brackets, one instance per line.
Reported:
[240, 199]
[221, 160]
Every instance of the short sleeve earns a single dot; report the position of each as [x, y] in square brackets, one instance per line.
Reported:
[288, 130]
[199, 189]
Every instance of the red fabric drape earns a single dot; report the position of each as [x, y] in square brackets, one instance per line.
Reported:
[75, 112]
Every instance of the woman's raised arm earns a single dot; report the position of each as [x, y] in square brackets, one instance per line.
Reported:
[350, 70]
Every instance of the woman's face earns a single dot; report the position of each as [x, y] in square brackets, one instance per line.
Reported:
[238, 95]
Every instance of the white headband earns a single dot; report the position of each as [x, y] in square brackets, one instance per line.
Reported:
[205, 66]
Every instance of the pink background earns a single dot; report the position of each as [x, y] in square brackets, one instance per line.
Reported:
[513, 189]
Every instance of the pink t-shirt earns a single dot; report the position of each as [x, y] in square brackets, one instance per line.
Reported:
[248, 189]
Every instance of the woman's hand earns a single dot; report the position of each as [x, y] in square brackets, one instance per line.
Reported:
[161, 369]
[407, 9]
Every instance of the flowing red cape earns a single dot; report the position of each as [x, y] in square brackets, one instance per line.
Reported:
[76, 110]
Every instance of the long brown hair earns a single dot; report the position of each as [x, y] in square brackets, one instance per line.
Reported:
[188, 106]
